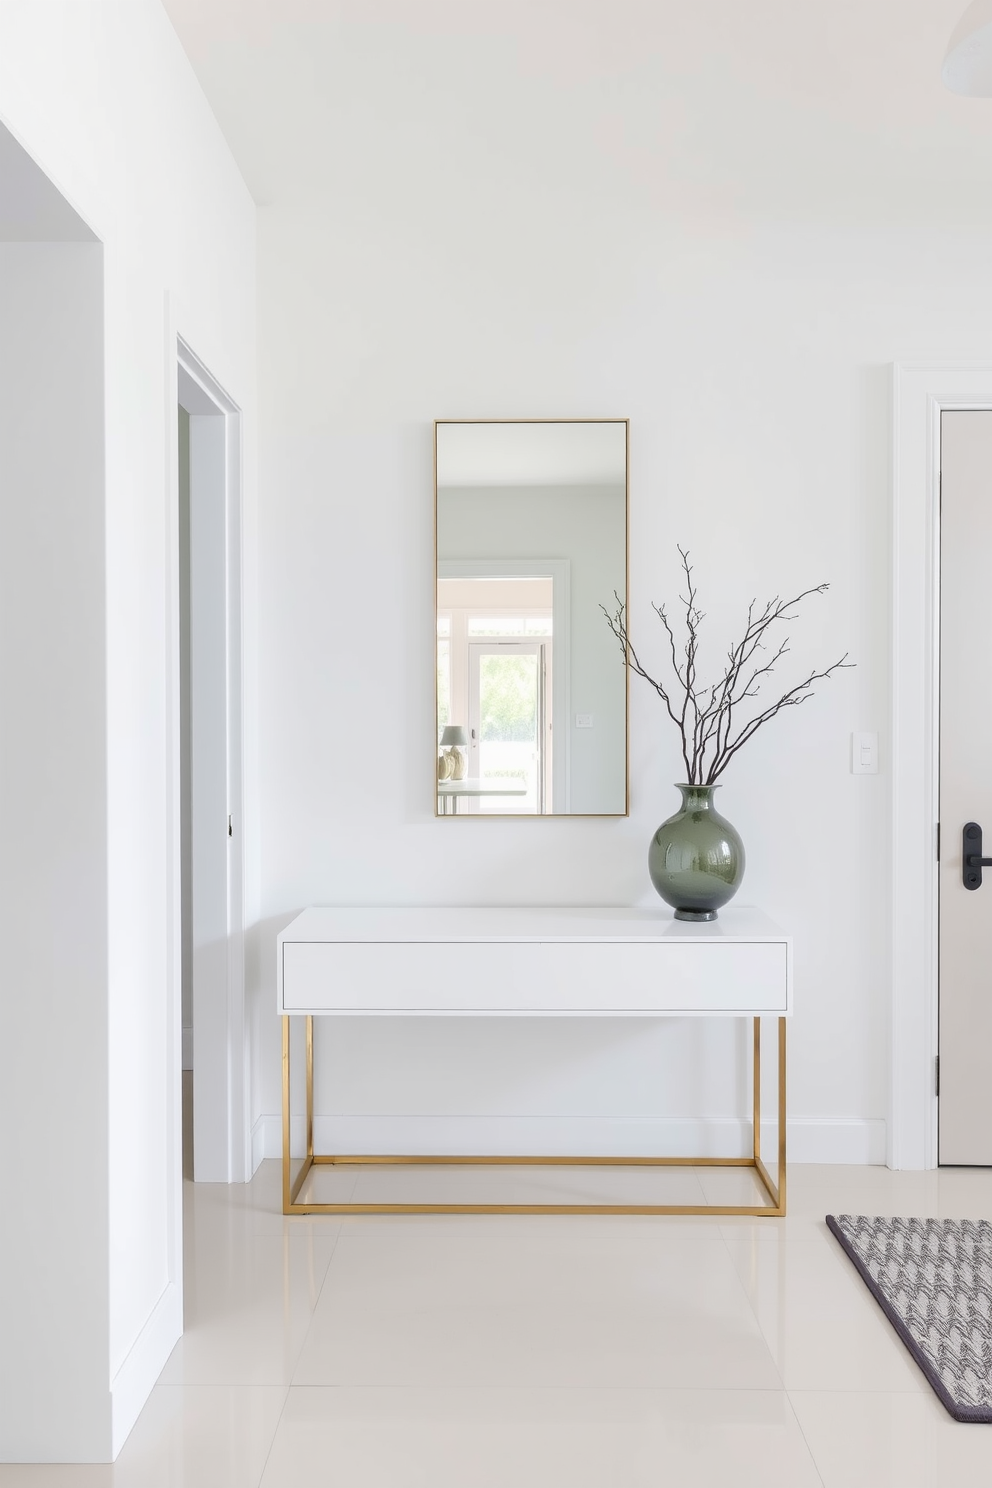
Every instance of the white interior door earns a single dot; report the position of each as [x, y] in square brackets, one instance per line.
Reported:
[964, 1132]
[507, 721]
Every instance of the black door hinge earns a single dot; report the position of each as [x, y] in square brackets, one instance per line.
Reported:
[936, 1074]
[938, 842]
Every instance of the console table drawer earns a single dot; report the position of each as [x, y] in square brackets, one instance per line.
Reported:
[607, 978]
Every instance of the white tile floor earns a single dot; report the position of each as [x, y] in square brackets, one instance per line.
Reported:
[476, 1351]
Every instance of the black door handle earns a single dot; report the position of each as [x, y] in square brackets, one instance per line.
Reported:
[972, 861]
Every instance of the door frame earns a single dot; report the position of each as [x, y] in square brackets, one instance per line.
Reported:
[920, 394]
[220, 1043]
[525, 646]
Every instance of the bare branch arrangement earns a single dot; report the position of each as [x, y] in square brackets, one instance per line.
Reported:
[707, 716]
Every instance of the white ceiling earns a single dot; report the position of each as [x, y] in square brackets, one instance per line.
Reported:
[774, 106]
[540, 454]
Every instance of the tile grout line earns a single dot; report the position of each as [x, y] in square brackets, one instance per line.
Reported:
[272, 1442]
[802, 1433]
[313, 1311]
[785, 1393]
[288, 1227]
[751, 1306]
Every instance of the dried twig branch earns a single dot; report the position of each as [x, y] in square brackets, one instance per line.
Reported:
[705, 716]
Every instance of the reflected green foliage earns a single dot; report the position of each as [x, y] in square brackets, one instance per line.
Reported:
[443, 686]
[508, 698]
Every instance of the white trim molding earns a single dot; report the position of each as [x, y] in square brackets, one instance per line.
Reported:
[135, 1379]
[266, 1140]
[811, 1139]
[921, 393]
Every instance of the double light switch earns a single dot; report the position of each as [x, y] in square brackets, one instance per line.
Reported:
[864, 754]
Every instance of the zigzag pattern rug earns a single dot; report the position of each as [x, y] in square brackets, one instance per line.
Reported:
[933, 1280]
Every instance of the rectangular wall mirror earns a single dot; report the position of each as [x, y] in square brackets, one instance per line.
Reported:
[531, 539]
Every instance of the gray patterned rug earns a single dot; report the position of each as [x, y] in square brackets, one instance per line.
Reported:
[933, 1280]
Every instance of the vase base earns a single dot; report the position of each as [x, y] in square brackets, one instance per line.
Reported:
[695, 915]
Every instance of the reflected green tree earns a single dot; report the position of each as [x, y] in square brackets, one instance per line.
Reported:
[443, 685]
[508, 699]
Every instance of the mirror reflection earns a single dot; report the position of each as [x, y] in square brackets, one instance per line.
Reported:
[531, 523]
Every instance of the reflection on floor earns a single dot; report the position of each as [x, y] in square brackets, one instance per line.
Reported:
[510, 1351]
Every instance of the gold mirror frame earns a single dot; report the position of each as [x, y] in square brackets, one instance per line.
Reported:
[442, 814]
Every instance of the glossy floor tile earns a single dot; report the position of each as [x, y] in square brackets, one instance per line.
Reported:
[811, 1306]
[215, 1436]
[493, 1184]
[892, 1441]
[542, 1351]
[735, 1186]
[510, 1301]
[249, 1300]
[580, 1438]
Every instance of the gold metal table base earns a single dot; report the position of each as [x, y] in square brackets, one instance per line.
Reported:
[291, 1187]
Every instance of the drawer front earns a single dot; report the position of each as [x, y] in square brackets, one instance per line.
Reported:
[516, 977]
[647, 978]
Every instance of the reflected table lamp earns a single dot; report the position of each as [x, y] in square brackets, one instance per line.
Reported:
[455, 740]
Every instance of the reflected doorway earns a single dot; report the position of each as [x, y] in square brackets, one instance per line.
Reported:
[494, 648]
[507, 722]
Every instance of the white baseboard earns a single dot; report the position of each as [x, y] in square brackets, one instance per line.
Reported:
[860, 1142]
[132, 1384]
[266, 1134]
[810, 1139]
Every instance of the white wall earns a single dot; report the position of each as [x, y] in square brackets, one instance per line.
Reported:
[723, 221]
[54, 1298]
[104, 99]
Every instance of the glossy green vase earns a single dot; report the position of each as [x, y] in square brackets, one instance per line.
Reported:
[696, 858]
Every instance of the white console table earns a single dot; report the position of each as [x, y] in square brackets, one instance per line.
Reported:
[520, 963]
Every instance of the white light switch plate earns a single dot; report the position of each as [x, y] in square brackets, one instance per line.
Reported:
[583, 720]
[864, 754]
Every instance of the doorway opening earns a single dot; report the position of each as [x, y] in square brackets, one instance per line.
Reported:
[207, 728]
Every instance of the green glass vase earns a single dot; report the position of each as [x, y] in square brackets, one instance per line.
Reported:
[696, 858]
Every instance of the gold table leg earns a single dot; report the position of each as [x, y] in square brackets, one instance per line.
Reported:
[291, 1187]
[776, 1191]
